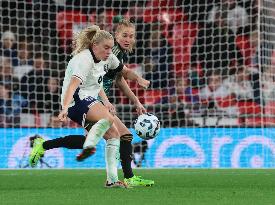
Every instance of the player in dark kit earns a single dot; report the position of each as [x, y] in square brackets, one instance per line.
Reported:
[125, 40]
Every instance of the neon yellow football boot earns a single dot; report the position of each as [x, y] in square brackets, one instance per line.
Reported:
[37, 151]
[139, 181]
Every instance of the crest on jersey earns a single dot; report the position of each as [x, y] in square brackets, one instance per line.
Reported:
[106, 67]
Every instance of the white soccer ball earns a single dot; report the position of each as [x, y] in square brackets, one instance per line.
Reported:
[147, 126]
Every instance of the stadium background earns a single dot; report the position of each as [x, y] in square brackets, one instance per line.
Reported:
[211, 64]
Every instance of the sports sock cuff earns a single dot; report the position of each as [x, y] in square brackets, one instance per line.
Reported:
[113, 141]
[127, 137]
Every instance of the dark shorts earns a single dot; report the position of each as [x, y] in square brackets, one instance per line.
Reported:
[78, 112]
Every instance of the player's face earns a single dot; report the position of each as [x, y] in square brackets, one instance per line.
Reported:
[126, 37]
[103, 49]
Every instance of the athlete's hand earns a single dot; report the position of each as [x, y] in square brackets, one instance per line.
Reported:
[63, 115]
[139, 108]
[110, 107]
[143, 83]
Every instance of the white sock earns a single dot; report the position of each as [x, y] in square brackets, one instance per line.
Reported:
[111, 159]
[96, 133]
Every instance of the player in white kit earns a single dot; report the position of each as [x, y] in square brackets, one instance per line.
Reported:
[81, 87]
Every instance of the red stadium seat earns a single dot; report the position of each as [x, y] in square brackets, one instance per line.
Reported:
[168, 19]
[168, 16]
[158, 9]
[249, 108]
[136, 89]
[250, 114]
[253, 122]
[109, 14]
[153, 9]
[182, 40]
[153, 96]
[270, 113]
[243, 44]
[66, 23]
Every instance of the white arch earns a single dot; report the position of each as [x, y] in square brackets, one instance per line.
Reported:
[246, 142]
[20, 150]
[161, 161]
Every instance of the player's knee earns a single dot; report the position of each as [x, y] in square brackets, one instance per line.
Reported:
[115, 133]
[112, 133]
[110, 119]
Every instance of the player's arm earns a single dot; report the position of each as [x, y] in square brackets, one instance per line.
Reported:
[124, 87]
[106, 101]
[131, 75]
[81, 65]
[127, 73]
[121, 69]
[103, 96]
[68, 97]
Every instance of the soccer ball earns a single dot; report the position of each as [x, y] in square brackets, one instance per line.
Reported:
[147, 126]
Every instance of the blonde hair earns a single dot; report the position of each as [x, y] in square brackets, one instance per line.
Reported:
[128, 24]
[85, 38]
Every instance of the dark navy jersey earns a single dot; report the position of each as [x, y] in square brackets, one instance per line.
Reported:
[110, 76]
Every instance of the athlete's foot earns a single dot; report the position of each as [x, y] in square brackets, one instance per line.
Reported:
[85, 154]
[37, 151]
[118, 184]
[138, 181]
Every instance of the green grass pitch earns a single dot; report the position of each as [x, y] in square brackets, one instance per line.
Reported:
[173, 186]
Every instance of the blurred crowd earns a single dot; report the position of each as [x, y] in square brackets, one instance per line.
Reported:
[203, 55]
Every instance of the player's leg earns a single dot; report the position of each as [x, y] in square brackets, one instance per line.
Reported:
[112, 157]
[102, 119]
[77, 113]
[125, 148]
[69, 142]
[126, 138]
[104, 122]
[40, 146]
[86, 152]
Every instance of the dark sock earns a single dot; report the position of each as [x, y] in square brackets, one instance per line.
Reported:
[70, 142]
[126, 155]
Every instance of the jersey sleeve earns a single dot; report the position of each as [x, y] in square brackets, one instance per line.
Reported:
[81, 67]
[115, 64]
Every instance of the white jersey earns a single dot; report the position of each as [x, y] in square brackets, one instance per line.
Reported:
[88, 72]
